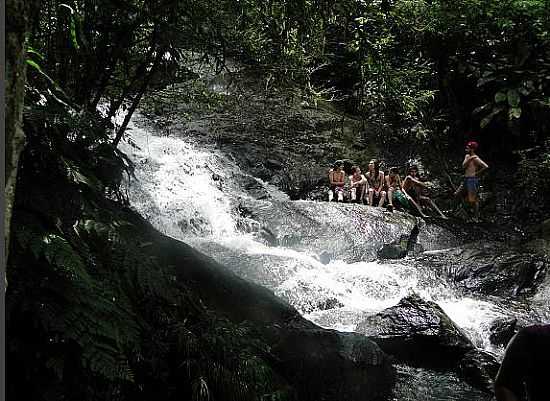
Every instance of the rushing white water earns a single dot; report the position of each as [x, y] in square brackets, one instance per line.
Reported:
[193, 194]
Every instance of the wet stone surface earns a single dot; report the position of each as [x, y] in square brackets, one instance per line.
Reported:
[420, 333]
[491, 268]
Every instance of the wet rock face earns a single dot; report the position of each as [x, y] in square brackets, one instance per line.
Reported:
[427, 385]
[399, 249]
[502, 331]
[325, 257]
[479, 368]
[336, 362]
[320, 364]
[349, 232]
[254, 188]
[491, 268]
[392, 251]
[419, 333]
[276, 138]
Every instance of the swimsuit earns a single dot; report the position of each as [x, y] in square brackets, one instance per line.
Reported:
[394, 183]
[376, 184]
[401, 198]
[471, 185]
[337, 187]
[339, 174]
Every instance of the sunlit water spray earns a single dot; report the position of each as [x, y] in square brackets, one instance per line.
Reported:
[193, 193]
[174, 188]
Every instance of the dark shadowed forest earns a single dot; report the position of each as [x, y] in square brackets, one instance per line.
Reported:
[102, 306]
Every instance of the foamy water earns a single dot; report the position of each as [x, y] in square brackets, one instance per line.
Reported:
[190, 193]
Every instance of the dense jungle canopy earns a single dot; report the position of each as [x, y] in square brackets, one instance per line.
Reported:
[425, 72]
[84, 322]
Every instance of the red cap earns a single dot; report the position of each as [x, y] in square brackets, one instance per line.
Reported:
[472, 144]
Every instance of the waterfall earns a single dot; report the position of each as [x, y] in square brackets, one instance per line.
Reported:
[195, 194]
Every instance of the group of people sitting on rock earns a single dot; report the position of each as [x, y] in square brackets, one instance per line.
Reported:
[376, 188]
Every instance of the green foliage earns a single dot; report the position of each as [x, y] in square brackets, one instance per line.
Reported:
[72, 25]
[77, 306]
[533, 178]
[93, 313]
[502, 48]
[480, 64]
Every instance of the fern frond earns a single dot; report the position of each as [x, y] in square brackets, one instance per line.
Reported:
[105, 360]
[201, 392]
[79, 177]
[61, 255]
[56, 364]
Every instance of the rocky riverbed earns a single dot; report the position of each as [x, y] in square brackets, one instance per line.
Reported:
[419, 288]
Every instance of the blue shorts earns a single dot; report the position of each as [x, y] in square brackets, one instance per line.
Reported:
[471, 185]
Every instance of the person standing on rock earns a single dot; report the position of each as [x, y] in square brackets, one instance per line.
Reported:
[358, 185]
[375, 178]
[473, 166]
[525, 369]
[337, 179]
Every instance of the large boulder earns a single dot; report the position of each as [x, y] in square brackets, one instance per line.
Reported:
[420, 384]
[419, 333]
[478, 368]
[319, 363]
[325, 364]
[400, 248]
[396, 250]
[349, 232]
[502, 330]
[490, 267]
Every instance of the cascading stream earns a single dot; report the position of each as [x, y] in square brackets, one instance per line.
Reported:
[196, 195]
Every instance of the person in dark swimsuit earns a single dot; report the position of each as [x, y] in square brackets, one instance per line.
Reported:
[375, 178]
[525, 370]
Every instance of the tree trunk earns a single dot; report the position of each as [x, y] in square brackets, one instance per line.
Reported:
[17, 27]
[127, 89]
[137, 98]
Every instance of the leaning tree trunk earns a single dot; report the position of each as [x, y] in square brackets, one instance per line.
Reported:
[17, 27]
[137, 98]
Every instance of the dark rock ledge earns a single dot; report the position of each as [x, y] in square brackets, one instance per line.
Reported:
[419, 333]
[320, 364]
